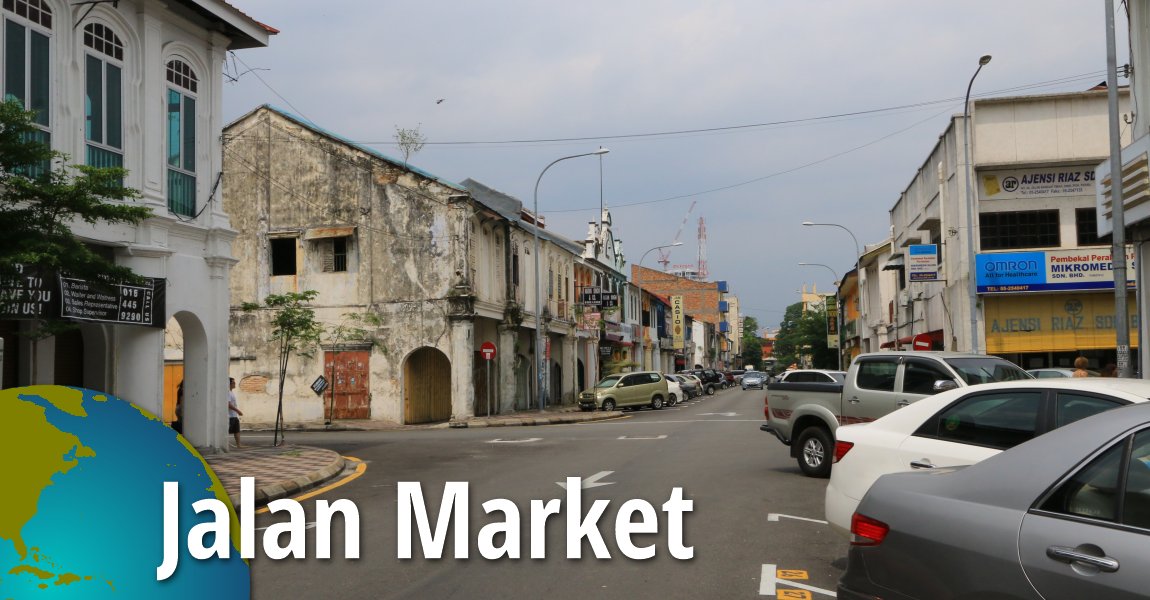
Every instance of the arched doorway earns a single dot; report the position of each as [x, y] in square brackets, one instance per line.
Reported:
[186, 361]
[426, 387]
[556, 387]
[580, 376]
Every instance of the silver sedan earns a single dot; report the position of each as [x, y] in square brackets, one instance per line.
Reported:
[1065, 515]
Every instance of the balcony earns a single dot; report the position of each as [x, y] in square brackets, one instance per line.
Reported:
[724, 307]
[181, 193]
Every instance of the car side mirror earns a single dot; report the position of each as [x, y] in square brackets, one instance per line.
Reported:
[943, 385]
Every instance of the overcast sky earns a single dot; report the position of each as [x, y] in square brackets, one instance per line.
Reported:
[779, 73]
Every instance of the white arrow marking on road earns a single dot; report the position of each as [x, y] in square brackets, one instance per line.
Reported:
[719, 414]
[774, 517]
[590, 482]
[503, 441]
[658, 437]
[769, 582]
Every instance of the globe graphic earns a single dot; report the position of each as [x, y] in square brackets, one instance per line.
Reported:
[82, 502]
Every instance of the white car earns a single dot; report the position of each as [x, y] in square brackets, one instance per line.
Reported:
[962, 427]
[811, 376]
[674, 390]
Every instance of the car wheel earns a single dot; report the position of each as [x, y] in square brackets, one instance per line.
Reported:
[711, 390]
[744, 388]
[608, 405]
[671, 400]
[815, 452]
[657, 403]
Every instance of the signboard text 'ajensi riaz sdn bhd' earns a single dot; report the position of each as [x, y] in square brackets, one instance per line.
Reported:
[1049, 270]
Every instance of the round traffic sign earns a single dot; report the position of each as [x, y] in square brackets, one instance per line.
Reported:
[922, 341]
[487, 350]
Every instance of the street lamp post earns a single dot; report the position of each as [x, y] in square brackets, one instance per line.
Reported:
[858, 249]
[971, 201]
[540, 358]
[837, 319]
[642, 333]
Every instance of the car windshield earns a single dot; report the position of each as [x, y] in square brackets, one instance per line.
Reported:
[839, 376]
[985, 370]
[607, 382]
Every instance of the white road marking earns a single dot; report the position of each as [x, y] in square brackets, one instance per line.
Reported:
[809, 588]
[657, 437]
[503, 441]
[718, 414]
[590, 482]
[774, 517]
[769, 582]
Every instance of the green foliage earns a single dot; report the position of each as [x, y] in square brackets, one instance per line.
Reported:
[40, 196]
[752, 345]
[804, 334]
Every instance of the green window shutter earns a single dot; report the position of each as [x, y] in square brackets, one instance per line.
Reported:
[115, 107]
[189, 134]
[94, 99]
[174, 123]
[14, 61]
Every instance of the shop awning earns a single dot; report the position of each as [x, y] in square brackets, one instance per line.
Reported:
[936, 337]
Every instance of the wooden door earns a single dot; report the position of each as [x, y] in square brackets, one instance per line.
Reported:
[348, 384]
[427, 387]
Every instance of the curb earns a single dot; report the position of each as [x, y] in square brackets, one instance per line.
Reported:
[532, 421]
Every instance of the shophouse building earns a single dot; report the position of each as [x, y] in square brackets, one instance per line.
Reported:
[136, 84]
[705, 301]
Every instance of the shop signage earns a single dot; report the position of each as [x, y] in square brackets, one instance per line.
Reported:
[923, 262]
[610, 299]
[1058, 322]
[678, 323]
[1050, 270]
[832, 322]
[30, 295]
[1037, 183]
[591, 296]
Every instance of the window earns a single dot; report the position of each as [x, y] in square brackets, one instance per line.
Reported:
[103, 97]
[27, 70]
[334, 254]
[1072, 407]
[1086, 220]
[876, 375]
[515, 264]
[181, 104]
[918, 377]
[1094, 491]
[283, 256]
[996, 420]
[1023, 229]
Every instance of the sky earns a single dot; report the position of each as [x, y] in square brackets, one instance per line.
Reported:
[761, 113]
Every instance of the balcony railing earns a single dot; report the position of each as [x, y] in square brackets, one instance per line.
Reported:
[181, 193]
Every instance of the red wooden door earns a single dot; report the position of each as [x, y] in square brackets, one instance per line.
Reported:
[348, 383]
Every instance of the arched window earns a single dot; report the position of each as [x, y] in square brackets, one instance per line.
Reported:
[27, 64]
[181, 101]
[103, 97]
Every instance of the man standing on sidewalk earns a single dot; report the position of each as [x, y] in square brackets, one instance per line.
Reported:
[234, 412]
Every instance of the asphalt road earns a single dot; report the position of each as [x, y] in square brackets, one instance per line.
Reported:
[735, 475]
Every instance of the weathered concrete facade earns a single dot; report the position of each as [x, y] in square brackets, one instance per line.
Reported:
[371, 235]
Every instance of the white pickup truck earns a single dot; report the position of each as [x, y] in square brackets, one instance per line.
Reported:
[804, 416]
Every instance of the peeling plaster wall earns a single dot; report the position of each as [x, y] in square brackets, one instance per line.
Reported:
[406, 257]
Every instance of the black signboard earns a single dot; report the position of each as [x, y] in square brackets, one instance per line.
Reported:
[610, 299]
[30, 295]
[319, 385]
[590, 296]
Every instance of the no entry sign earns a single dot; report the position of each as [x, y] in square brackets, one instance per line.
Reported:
[922, 341]
[487, 350]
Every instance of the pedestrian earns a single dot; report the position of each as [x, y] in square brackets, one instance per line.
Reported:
[1110, 370]
[178, 422]
[1080, 365]
[234, 412]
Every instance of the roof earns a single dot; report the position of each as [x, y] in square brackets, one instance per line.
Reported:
[510, 208]
[242, 30]
[339, 138]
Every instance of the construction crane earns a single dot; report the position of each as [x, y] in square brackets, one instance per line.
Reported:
[702, 264]
[665, 253]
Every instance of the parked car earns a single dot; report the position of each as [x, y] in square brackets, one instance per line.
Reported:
[711, 379]
[805, 414]
[753, 379]
[623, 390]
[734, 377]
[1056, 372]
[690, 386]
[1063, 516]
[962, 427]
[698, 382]
[674, 390]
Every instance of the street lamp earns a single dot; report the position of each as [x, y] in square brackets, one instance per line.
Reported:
[971, 202]
[643, 334]
[541, 369]
[837, 282]
[858, 249]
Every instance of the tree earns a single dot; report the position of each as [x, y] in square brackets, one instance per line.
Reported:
[752, 344]
[294, 329]
[41, 197]
[410, 141]
[804, 334]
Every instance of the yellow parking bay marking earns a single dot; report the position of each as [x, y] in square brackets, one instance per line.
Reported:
[360, 468]
[772, 577]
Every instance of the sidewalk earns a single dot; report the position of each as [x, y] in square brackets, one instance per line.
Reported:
[289, 470]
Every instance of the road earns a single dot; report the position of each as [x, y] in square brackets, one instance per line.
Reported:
[735, 475]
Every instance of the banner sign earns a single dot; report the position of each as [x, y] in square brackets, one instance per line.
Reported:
[923, 262]
[1050, 270]
[832, 321]
[1037, 183]
[610, 299]
[678, 322]
[591, 296]
[30, 295]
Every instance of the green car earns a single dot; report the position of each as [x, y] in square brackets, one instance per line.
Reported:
[645, 388]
